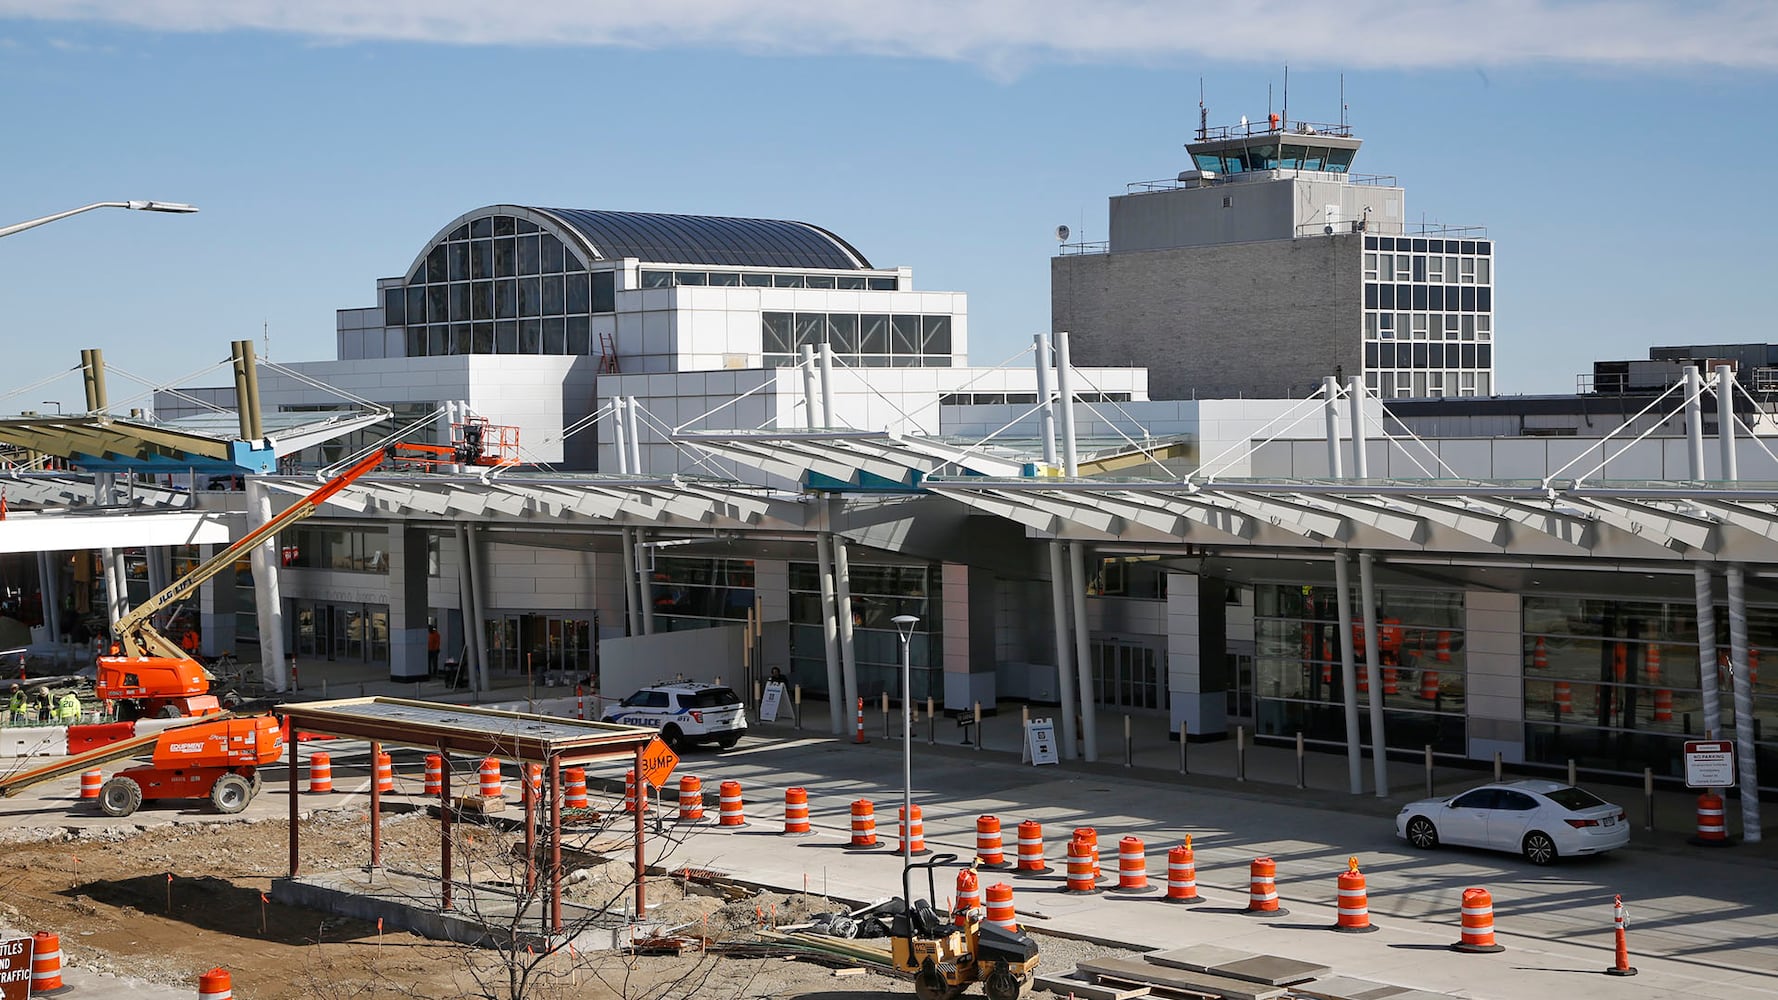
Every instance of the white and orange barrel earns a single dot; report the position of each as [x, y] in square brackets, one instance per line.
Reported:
[912, 831]
[630, 790]
[534, 781]
[730, 807]
[1080, 866]
[1091, 837]
[1031, 847]
[434, 774]
[1478, 923]
[796, 810]
[691, 799]
[1132, 865]
[1651, 665]
[385, 773]
[216, 984]
[1564, 698]
[864, 823]
[969, 897]
[90, 783]
[1711, 829]
[1391, 680]
[1000, 908]
[1428, 685]
[1663, 705]
[320, 773]
[46, 962]
[1353, 912]
[1262, 889]
[574, 788]
[1540, 655]
[1443, 654]
[488, 785]
[989, 849]
[1182, 874]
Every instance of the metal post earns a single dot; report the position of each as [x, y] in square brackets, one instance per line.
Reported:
[796, 706]
[267, 594]
[885, 715]
[556, 796]
[811, 416]
[931, 723]
[1725, 420]
[1429, 792]
[1083, 652]
[1573, 773]
[1648, 797]
[1184, 741]
[641, 858]
[1240, 753]
[1301, 763]
[1330, 408]
[1498, 766]
[1046, 413]
[529, 798]
[842, 583]
[1355, 392]
[294, 791]
[907, 747]
[978, 725]
[1373, 676]
[1065, 389]
[1694, 422]
[1704, 602]
[1348, 679]
[376, 806]
[1129, 744]
[830, 633]
[1064, 644]
[444, 832]
[1745, 724]
[645, 582]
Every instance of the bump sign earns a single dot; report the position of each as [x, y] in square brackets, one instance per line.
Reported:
[658, 762]
[15, 968]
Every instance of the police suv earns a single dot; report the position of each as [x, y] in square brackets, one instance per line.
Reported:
[685, 713]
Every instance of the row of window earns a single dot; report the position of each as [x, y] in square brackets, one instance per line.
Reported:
[557, 335]
[1022, 398]
[506, 298]
[1436, 268]
[851, 333]
[469, 256]
[1422, 244]
[755, 279]
[1422, 355]
[1436, 298]
[1420, 385]
[1276, 156]
[1427, 326]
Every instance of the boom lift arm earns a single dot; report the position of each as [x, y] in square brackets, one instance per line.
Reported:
[136, 634]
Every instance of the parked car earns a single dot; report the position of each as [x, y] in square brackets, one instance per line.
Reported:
[685, 713]
[1543, 820]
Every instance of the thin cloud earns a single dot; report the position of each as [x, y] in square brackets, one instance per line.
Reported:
[1002, 35]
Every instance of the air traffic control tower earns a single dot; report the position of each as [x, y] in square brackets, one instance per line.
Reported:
[1268, 265]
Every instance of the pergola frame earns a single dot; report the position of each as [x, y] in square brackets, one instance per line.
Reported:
[476, 732]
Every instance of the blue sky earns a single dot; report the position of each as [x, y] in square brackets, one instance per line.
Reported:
[1621, 154]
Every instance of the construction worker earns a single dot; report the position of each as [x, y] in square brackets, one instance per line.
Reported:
[68, 709]
[432, 644]
[189, 642]
[15, 706]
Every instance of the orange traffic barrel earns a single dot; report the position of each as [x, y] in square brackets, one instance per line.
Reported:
[864, 823]
[691, 799]
[46, 962]
[969, 897]
[1663, 705]
[434, 774]
[1712, 832]
[1182, 874]
[216, 985]
[489, 786]
[1391, 680]
[1428, 685]
[1564, 698]
[90, 783]
[1353, 913]
[1080, 866]
[911, 830]
[574, 788]
[1540, 655]
[1031, 848]
[990, 852]
[1132, 865]
[1000, 909]
[1651, 665]
[630, 790]
[1478, 923]
[1443, 654]
[1091, 837]
[534, 781]
[1262, 890]
[730, 811]
[321, 773]
[796, 810]
[385, 773]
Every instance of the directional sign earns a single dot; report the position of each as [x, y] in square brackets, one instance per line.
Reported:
[1040, 741]
[1709, 764]
[769, 702]
[15, 968]
[658, 762]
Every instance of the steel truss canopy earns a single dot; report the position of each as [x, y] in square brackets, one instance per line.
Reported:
[467, 730]
[40, 490]
[1703, 521]
[206, 444]
[565, 500]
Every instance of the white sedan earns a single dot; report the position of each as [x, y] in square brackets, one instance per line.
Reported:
[1542, 820]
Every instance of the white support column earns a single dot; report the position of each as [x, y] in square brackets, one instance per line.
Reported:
[645, 579]
[1694, 421]
[829, 416]
[1083, 651]
[1046, 412]
[632, 604]
[49, 595]
[474, 630]
[1373, 676]
[160, 568]
[266, 593]
[811, 409]
[1704, 605]
[116, 597]
[837, 706]
[635, 437]
[842, 585]
[1330, 408]
[1355, 394]
[1745, 762]
[1348, 679]
[1725, 421]
[1064, 645]
[216, 607]
[1065, 388]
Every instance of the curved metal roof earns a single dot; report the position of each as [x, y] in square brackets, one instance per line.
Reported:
[708, 239]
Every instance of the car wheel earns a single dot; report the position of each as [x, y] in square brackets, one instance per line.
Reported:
[1422, 834]
[120, 797]
[728, 742]
[673, 738]
[1539, 848]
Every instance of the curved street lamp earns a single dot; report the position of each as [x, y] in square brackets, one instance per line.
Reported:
[139, 206]
[904, 624]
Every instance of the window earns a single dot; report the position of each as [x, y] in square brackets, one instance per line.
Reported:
[1481, 798]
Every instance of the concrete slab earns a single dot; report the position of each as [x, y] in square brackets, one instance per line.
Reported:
[1135, 970]
[1349, 988]
[1076, 985]
[1198, 957]
[1271, 970]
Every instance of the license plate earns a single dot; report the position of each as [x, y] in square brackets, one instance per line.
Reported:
[1611, 821]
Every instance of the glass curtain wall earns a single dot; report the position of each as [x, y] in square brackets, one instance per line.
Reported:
[691, 592]
[1297, 673]
[880, 593]
[541, 643]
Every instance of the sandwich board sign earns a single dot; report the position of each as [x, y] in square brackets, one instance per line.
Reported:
[770, 701]
[15, 968]
[1709, 764]
[1040, 741]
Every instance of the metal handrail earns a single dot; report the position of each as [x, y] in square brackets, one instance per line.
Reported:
[1215, 133]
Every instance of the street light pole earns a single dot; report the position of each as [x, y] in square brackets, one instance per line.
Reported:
[904, 624]
[139, 206]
